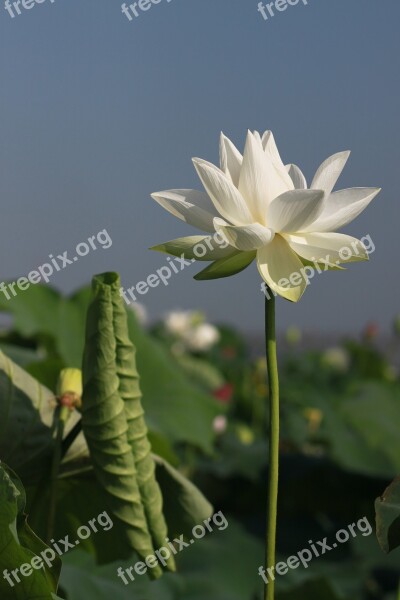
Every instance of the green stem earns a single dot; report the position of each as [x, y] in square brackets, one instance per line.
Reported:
[62, 418]
[70, 438]
[273, 384]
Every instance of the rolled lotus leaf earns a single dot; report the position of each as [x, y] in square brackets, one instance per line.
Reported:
[129, 390]
[104, 421]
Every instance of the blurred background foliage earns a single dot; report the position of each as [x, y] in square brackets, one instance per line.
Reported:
[205, 397]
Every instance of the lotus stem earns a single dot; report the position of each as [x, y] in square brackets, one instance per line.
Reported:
[62, 418]
[273, 385]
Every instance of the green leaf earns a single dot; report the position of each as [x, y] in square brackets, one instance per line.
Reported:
[174, 406]
[41, 311]
[209, 569]
[373, 415]
[104, 421]
[83, 579]
[237, 459]
[19, 545]
[225, 267]
[319, 589]
[388, 517]
[26, 423]
[20, 355]
[80, 497]
[204, 373]
[184, 504]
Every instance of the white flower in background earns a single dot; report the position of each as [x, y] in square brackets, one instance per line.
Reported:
[191, 330]
[202, 338]
[220, 424]
[141, 313]
[179, 322]
[265, 211]
[337, 359]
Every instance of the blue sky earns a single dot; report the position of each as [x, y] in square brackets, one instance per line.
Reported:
[97, 112]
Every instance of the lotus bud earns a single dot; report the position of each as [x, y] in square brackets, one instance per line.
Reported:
[69, 388]
[337, 359]
[245, 434]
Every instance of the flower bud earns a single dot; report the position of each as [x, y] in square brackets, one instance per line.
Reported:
[69, 388]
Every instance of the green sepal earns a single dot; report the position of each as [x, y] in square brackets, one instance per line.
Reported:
[186, 245]
[225, 267]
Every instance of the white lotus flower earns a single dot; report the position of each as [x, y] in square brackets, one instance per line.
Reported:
[265, 211]
[141, 313]
[202, 338]
[190, 327]
[179, 322]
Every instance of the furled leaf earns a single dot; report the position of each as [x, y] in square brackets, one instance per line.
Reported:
[105, 424]
[129, 390]
[388, 517]
[19, 545]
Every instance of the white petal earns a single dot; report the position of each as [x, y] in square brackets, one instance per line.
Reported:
[329, 172]
[191, 206]
[246, 237]
[262, 178]
[226, 198]
[258, 178]
[271, 150]
[197, 247]
[269, 145]
[294, 210]
[296, 175]
[343, 207]
[281, 269]
[333, 248]
[231, 159]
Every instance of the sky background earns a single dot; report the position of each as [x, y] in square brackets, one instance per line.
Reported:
[98, 112]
